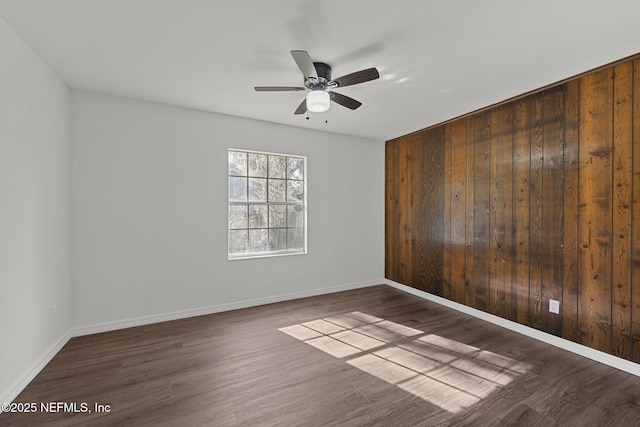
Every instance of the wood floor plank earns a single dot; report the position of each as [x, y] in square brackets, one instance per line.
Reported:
[410, 362]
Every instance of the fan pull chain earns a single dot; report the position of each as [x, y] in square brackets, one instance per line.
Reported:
[326, 119]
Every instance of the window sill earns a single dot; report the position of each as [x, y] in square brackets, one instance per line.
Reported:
[253, 256]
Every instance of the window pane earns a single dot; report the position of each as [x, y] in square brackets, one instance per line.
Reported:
[294, 238]
[278, 239]
[295, 191]
[277, 190]
[257, 190]
[277, 216]
[258, 240]
[295, 168]
[237, 163]
[237, 242]
[258, 165]
[237, 216]
[237, 189]
[294, 216]
[257, 216]
[277, 167]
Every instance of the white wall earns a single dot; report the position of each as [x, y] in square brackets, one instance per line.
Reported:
[34, 211]
[149, 212]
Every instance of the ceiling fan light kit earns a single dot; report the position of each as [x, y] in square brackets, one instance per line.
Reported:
[318, 101]
[317, 79]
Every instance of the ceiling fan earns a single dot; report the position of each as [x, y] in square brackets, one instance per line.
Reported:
[317, 79]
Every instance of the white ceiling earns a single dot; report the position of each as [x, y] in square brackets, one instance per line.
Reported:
[437, 59]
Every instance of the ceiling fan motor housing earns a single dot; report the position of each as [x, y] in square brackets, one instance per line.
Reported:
[324, 76]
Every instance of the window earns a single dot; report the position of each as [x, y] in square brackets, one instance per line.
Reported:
[267, 204]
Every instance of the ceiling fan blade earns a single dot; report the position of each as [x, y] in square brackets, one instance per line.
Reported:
[277, 88]
[357, 77]
[305, 63]
[344, 100]
[302, 108]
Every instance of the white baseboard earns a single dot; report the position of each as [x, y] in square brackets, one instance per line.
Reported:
[590, 353]
[191, 312]
[16, 388]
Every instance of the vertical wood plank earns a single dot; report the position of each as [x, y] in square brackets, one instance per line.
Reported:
[569, 307]
[399, 215]
[448, 196]
[500, 211]
[417, 199]
[536, 248]
[458, 142]
[433, 147]
[553, 200]
[595, 203]
[470, 292]
[391, 210]
[495, 233]
[404, 212]
[481, 225]
[622, 201]
[521, 190]
[421, 218]
[635, 243]
[508, 248]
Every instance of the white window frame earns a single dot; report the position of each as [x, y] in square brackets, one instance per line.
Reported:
[230, 203]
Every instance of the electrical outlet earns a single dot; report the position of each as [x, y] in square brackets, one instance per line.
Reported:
[554, 306]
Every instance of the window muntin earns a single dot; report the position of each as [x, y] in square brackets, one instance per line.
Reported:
[267, 204]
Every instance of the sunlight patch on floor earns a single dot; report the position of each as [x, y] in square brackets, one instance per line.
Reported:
[442, 371]
[334, 347]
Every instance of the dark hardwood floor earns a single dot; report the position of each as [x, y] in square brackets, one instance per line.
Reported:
[369, 357]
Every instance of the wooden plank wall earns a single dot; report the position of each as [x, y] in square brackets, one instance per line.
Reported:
[532, 200]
